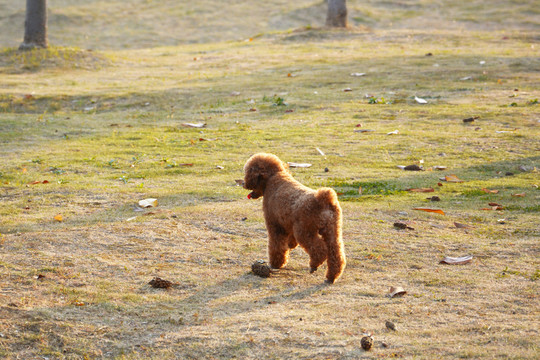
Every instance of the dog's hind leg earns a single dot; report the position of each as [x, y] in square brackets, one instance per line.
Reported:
[313, 244]
[331, 234]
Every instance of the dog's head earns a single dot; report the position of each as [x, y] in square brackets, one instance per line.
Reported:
[258, 169]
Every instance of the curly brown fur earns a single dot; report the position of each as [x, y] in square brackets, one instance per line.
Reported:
[296, 215]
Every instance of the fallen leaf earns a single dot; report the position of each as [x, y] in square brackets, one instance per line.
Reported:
[298, 165]
[420, 100]
[397, 291]
[395, 132]
[456, 260]
[363, 130]
[358, 74]
[289, 110]
[494, 204]
[390, 325]
[505, 131]
[452, 178]
[204, 139]
[421, 190]
[413, 167]
[186, 164]
[498, 207]
[470, 119]
[466, 78]
[194, 125]
[131, 218]
[439, 167]
[252, 109]
[402, 226]
[519, 195]
[59, 218]
[461, 226]
[438, 211]
[488, 191]
[39, 182]
[146, 203]
[347, 89]
[439, 184]
[434, 198]
[219, 167]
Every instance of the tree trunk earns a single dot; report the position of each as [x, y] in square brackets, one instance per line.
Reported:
[35, 25]
[337, 13]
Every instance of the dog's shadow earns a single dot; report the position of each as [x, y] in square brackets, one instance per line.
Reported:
[239, 295]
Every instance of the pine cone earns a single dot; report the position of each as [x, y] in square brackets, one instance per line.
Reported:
[366, 342]
[160, 283]
[260, 268]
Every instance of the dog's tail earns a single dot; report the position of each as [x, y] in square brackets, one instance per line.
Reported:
[330, 230]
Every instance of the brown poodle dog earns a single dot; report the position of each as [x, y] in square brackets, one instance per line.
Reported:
[296, 215]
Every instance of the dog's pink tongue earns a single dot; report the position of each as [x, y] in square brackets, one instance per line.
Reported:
[249, 196]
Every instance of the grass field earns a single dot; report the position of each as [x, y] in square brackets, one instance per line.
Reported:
[94, 124]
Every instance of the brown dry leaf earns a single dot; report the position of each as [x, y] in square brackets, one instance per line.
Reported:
[397, 291]
[488, 191]
[59, 218]
[203, 139]
[453, 179]
[402, 226]
[413, 167]
[461, 226]
[494, 204]
[493, 208]
[456, 260]
[186, 164]
[364, 130]
[519, 195]
[438, 211]
[421, 190]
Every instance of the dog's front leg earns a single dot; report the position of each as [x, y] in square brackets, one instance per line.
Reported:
[278, 246]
